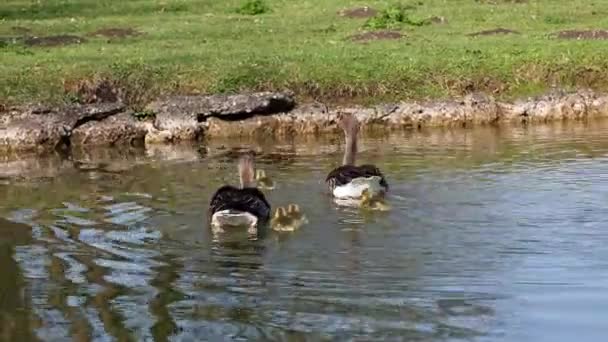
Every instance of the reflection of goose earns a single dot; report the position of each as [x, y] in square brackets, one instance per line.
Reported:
[349, 180]
[371, 202]
[244, 206]
[263, 181]
[288, 220]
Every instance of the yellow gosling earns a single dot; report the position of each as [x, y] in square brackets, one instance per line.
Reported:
[263, 181]
[373, 203]
[281, 222]
[294, 211]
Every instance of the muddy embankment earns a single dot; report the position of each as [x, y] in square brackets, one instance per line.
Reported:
[36, 128]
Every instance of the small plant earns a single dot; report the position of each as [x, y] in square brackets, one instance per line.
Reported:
[253, 7]
[144, 114]
[555, 20]
[393, 17]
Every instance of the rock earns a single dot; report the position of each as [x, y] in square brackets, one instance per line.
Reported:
[235, 107]
[481, 109]
[81, 114]
[122, 129]
[177, 126]
[443, 113]
[180, 118]
[558, 105]
[33, 133]
[188, 118]
[473, 109]
[229, 107]
[598, 106]
[43, 128]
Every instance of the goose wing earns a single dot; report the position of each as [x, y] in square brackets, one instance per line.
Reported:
[250, 200]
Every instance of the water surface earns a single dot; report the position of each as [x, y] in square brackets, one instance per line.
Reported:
[495, 235]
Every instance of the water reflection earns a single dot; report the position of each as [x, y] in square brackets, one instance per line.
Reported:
[491, 233]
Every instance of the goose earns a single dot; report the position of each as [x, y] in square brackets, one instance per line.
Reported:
[349, 180]
[243, 206]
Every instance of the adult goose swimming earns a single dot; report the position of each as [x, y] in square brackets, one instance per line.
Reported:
[350, 180]
[243, 206]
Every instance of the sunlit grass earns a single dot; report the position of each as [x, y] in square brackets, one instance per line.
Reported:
[204, 46]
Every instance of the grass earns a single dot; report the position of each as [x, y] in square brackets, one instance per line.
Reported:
[204, 46]
[253, 7]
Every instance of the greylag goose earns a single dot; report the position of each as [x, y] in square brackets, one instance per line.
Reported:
[349, 180]
[243, 206]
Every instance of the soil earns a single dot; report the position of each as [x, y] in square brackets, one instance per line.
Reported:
[92, 91]
[493, 32]
[358, 12]
[50, 41]
[583, 34]
[376, 35]
[116, 32]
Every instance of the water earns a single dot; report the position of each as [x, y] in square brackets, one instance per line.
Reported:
[495, 235]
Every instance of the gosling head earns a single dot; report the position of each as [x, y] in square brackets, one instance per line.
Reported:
[366, 196]
[293, 209]
[260, 174]
[280, 213]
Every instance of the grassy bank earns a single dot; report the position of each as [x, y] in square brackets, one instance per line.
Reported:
[207, 46]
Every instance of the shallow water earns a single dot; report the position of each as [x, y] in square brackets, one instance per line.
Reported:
[494, 235]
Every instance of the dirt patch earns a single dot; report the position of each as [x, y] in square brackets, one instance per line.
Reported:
[583, 34]
[493, 32]
[359, 12]
[116, 32]
[49, 41]
[21, 30]
[376, 35]
[92, 91]
[460, 87]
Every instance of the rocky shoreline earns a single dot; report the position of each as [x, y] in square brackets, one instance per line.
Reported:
[38, 128]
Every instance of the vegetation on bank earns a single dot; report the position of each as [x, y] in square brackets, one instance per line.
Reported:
[144, 48]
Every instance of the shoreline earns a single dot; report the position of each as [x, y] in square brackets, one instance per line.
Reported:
[482, 142]
[177, 119]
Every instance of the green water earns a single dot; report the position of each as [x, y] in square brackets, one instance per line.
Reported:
[494, 235]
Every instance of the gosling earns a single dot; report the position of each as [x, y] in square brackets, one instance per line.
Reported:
[370, 202]
[287, 220]
[293, 210]
[263, 181]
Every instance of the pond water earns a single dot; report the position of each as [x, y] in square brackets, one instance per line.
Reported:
[494, 235]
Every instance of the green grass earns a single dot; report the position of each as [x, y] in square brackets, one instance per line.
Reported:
[204, 46]
[253, 7]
